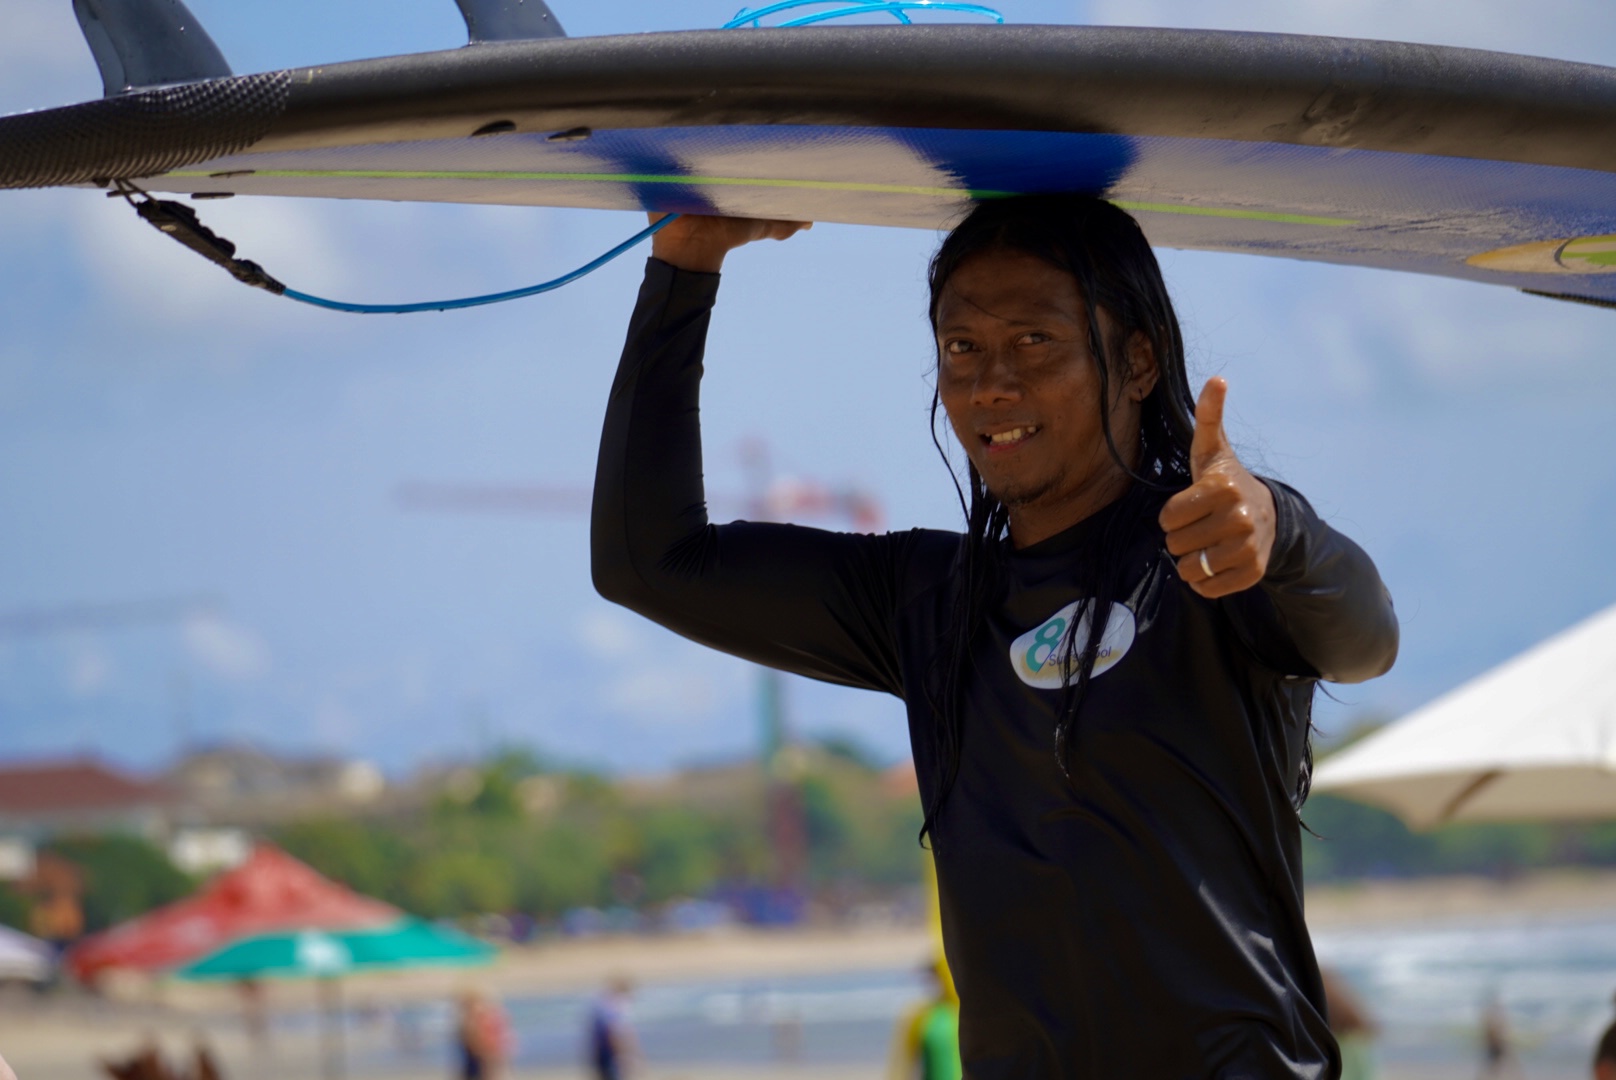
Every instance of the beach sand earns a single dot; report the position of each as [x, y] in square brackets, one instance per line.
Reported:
[60, 1037]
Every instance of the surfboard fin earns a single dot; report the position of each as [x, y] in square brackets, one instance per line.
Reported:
[139, 44]
[509, 20]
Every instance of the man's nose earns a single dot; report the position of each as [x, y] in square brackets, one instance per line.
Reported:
[997, 382]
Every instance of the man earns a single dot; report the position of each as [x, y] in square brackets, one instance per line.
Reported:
[1352, 1025]
[926, 1043]
[1604, 1056]
[612, 1046]
[1108, 676]
[482, 1037]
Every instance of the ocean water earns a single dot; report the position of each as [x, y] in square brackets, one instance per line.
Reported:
[825, 1019]
[1426, 984]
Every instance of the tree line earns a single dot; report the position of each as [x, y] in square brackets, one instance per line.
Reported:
[516, 834]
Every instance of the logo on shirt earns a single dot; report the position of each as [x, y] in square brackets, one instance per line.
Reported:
[1044, 656]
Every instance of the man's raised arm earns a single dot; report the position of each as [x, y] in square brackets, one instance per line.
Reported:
[817, 603]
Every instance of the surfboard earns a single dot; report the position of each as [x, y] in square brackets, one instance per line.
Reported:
[1477, 165]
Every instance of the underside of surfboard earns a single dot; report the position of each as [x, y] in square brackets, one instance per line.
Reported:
[1469, 164]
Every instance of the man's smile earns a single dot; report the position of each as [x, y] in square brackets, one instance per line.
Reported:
[997, 442]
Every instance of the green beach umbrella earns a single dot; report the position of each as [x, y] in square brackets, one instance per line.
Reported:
[326, 954]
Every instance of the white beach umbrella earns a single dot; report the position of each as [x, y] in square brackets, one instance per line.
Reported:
[1532, 739]
[23, 957]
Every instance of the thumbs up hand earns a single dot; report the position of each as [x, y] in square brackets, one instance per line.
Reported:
[1221, 527]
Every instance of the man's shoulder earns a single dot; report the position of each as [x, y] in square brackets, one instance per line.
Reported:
[930, 550]
[925, 561]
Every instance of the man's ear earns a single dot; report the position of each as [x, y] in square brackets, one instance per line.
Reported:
[1143, 371]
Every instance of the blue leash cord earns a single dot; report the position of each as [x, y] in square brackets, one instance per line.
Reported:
[898, 9]
[180, 221]
[491, 298]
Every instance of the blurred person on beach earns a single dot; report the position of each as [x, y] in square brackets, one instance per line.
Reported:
[254, 1013]
[1497, 1045]
[148, 1063]
[1353, 1027]
[1605, 1055]
[614, 1050]
[926, 1046]
[482, 1037]
[1108, 675]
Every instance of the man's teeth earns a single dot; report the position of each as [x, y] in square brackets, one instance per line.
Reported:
[1013, 435]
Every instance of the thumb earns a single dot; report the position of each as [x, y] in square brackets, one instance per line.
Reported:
[1209, 442]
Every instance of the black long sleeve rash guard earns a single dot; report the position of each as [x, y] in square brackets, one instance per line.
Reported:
[1142, 919]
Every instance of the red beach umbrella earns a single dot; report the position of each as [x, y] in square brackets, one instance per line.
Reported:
[269, 892]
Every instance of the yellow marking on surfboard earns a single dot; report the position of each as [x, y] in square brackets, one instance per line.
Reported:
[768, 182]
[1578, 255]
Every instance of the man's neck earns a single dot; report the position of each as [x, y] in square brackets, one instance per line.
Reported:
[1036, 522]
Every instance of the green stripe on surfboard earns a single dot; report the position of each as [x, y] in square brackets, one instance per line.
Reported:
[617, 178]
[759, 182]
[1225, 212]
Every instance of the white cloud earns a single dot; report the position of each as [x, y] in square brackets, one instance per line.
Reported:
[90, 671]
[151, 280]
[678, 686]
[662, 695]
[1357, 335]
[335, 724]
[226, 649]
[1457, 335]
[414, 679]
[607, 634]
[348, 250]
[1568, 29]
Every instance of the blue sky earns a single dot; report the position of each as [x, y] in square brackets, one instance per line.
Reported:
[164, 431]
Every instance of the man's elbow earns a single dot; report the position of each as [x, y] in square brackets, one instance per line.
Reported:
[614, 580]
[623, 580]
[1371, 653]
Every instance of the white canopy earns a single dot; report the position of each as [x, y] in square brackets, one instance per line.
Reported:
[1532, 739]
[23, 957]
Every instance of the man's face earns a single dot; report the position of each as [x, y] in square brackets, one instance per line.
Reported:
[1017, 378]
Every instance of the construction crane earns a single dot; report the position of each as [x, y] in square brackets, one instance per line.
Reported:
[119, 615]
[769, 498]
[38, 622]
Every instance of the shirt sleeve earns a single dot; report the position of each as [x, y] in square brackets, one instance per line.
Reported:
[808, 601]
[1321, 611]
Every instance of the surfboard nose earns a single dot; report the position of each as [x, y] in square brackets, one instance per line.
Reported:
[139, 44]
[509, 20]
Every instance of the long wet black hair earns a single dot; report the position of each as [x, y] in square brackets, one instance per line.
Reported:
[1103, 248]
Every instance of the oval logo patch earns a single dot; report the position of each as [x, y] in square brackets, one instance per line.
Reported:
[1040, 654]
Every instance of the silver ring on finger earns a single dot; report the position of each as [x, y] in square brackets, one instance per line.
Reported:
[1206, 567]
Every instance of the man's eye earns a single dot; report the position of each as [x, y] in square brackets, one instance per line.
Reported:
[1034, 338]
[957, 347]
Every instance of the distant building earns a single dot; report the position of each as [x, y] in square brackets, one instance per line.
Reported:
[17, 858]
[247, 786]
[42, 800]
[705, 786]
[206, 850]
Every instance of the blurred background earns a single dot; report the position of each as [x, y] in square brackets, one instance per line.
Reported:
[279, 575]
